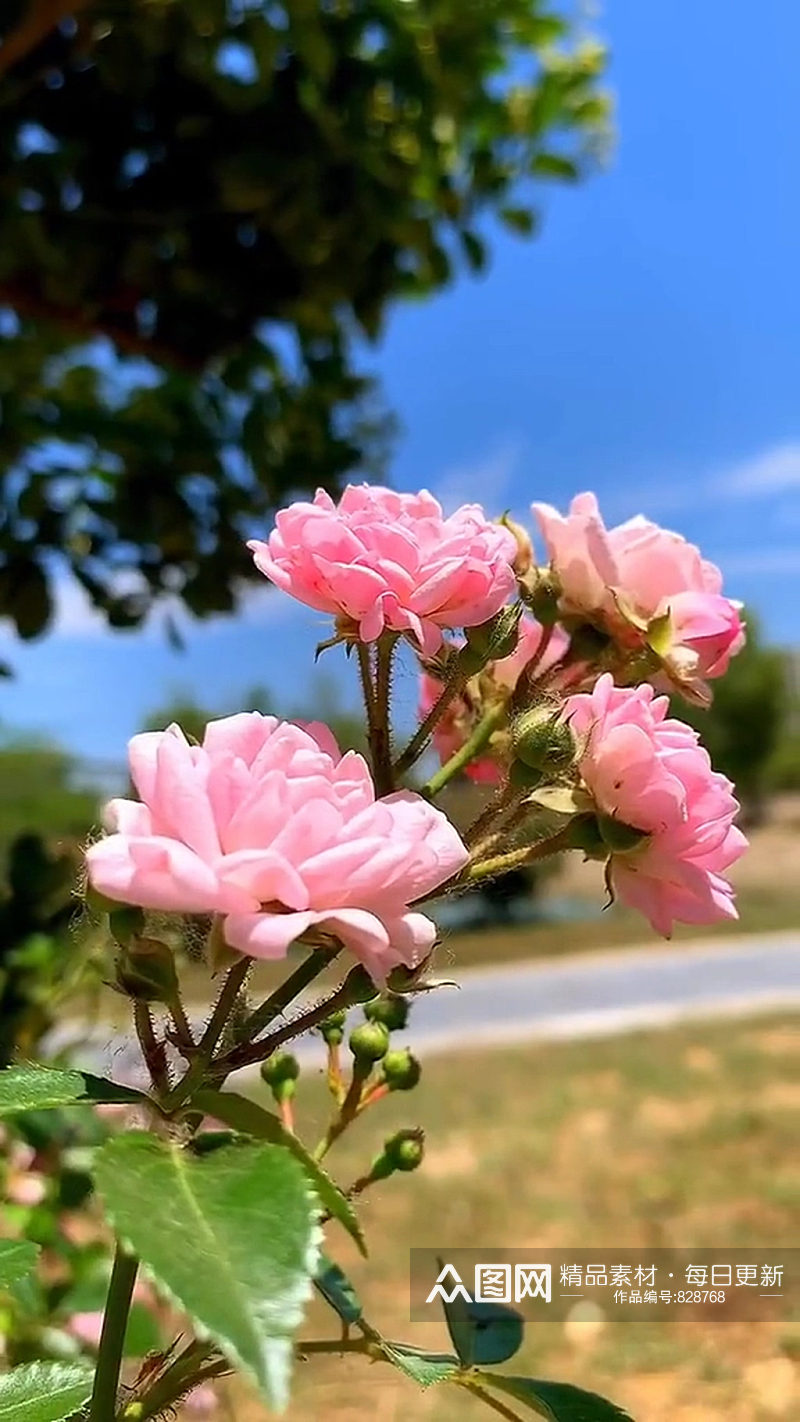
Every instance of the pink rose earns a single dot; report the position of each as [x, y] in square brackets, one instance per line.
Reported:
[649, 772]
[496, 682]
[268, 825]
[627, 577]
[385, 560]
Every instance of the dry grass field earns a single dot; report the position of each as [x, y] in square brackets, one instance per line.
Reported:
[686, 1137]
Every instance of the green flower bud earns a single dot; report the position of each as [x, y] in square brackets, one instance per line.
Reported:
[405, 1150]
[542, 599]
[401, 1070]
[146, 971]
[125, 922]
[492, 641]
[359, 985]
[619, 837]
[369, 1042]
[584, 833]
[391, 1010]
[542, 741]
[281, 1067]
[332, 1029]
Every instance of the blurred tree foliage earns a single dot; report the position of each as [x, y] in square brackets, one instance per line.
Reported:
[324, 704]
[46, 813]
[206, 206]
[745, 726]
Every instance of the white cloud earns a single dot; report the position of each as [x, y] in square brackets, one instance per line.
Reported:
[486, 481]
[76, 617]
[774, 471]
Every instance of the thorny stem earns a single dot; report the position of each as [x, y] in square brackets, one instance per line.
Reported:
[207, 1045]
[380, 736]
[347, 1111]
[526, 854]
[112, 1339]
[347, 995]
[309, 969]
[193, 1366]
[183, 1038]
[471, 747]
[421, 736]
[486, 1396]
[155, 1056]
[498, 806]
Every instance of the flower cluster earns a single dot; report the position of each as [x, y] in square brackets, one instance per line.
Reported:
[267, 826]
[646, 772]
[538, 650]
[380, 560]
[644, 587]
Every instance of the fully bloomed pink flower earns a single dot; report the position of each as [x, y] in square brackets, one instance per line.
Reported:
[268, 825]
[380, 560]
[637, 573]
[495, 683]
[649, 772]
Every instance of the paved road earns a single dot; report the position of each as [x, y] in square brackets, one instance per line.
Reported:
[585, 995]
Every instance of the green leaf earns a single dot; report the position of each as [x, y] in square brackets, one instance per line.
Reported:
[230, 1236]
[337, 1290]
[142, 1333]
[253, 1120]
[425, 1368]
[44, 1392]
[561, 799]
[519, 219]
[17, 1260]
[483, 1332]
[557, 1402]
[553, 165]
[31, 1087]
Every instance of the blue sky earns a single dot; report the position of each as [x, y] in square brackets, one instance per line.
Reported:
[647, 346]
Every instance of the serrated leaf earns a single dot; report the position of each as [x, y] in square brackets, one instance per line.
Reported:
[230, 1236]
[44, 1392]
[337, 1290]
[556, 1402]
[17, 1260]
[32, 1087]
[247, 1116]
[425, 1368]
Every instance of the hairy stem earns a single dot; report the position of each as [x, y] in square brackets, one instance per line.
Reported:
[350, 993]
[486, 1396]
[153, 1051]
[197, 1363]
[234, 981]
[274, 1005]
[515, 858]
[424, 731]
[103, 1405]
[471, 747]
[347, 1111]
[380, 735]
